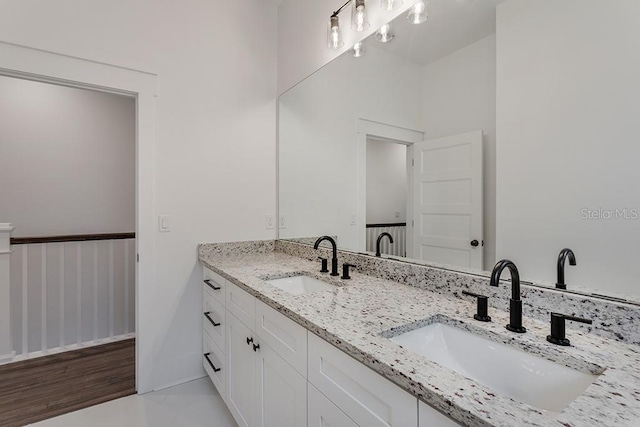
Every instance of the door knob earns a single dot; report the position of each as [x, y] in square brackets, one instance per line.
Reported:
[474, 243]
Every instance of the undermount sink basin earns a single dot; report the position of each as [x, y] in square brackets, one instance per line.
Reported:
[299, 285]
[509, 371]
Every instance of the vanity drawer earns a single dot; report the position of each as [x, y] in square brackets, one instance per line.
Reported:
[283, 335]
[365, 396]
[215, 284]
[213, 362]
[214, 319]
[242, 304]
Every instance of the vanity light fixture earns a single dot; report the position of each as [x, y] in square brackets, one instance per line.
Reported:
[384, 35]
[358, 50]
[418, 13]
[391, 4]
[335, 34]
[359, 18]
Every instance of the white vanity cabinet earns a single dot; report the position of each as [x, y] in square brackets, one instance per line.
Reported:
[272, 372]
[263, 389]
[255, 372]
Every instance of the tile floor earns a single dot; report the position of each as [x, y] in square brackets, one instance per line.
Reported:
[193, 404]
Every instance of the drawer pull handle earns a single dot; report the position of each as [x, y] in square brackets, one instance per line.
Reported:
[210, 319]
[249, 341]
[211, 285]
[206, 356]
[256, 347]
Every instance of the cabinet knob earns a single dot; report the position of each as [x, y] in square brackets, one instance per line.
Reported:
[256, 347]
[249, 341]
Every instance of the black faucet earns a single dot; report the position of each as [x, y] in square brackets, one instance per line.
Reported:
[566, 252]
[334, 259]
[380, 240]
[515, 304]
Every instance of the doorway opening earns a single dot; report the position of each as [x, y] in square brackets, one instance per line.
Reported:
[69, 164]
[387, 198]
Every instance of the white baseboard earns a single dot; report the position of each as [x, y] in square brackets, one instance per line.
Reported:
[178, 370]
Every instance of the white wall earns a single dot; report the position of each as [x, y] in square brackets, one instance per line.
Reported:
[318, 139]
[67, 158]
[302, 35]
[386, 182]
[567, 123]
[458, 96]
[215, 133]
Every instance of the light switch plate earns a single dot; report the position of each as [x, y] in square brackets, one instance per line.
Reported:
[163, 224]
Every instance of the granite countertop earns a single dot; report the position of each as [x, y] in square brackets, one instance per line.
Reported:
[360, 313]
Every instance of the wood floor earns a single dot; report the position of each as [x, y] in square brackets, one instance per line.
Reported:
[41, 388]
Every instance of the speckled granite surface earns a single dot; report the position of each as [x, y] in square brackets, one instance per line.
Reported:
[610, 319]
[358, 314]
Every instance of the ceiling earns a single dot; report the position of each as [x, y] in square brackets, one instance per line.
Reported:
[452, 25]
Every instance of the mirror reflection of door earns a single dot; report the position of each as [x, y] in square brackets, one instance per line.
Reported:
[447, 200]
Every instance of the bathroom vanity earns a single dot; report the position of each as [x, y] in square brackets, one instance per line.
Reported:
[284, 351]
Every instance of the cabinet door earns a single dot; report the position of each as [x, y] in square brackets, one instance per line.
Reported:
[241, 366]
[281, 391]
[323, 413]
[283, 335]
[365, 396]
[429, 417]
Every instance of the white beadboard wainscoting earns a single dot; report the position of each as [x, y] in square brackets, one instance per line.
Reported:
[399, 233]
[66, 295]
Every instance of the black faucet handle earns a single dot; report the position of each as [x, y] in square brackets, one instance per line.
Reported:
[558, 330]
[345, 270]
[325, 268]
[482, 312]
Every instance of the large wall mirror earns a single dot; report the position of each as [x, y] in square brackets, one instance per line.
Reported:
[495, 129]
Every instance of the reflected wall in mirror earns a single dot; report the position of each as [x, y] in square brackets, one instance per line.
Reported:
[516, 123]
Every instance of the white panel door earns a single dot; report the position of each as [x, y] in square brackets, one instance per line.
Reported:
[281, 393]
[447, 200]
[241, 365]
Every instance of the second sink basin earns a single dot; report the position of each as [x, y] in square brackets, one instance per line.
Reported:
[509, 371]
[298, 285]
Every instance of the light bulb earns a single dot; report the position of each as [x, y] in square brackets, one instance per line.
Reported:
[334, 35]
[359, 19]
[358, 50]
[384, 35]
[418, 13]
[391, 4]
